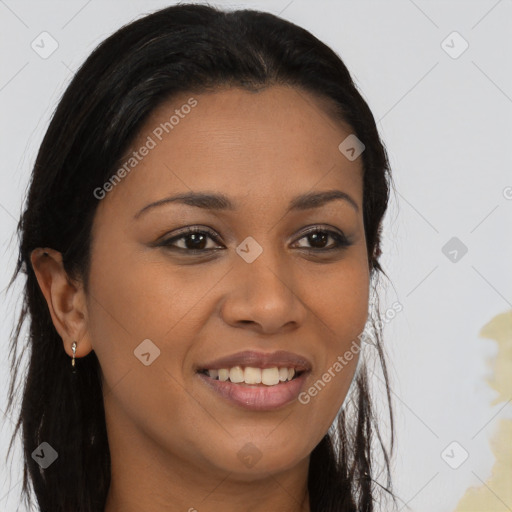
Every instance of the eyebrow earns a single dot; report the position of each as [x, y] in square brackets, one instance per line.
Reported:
[209, 201]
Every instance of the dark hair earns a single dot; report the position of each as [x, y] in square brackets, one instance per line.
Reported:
[182, 48]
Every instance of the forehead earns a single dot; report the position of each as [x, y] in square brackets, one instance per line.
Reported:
[279, 140]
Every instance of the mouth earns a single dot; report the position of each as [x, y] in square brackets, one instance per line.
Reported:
[256, 381]
[255, 389]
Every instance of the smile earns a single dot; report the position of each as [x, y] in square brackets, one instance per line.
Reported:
[255, 396]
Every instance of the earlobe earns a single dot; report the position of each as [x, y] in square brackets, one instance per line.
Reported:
[64, 299]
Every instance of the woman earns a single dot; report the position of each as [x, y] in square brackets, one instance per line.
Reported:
[200, 240]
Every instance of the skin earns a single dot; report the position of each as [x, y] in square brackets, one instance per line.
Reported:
[174, 443]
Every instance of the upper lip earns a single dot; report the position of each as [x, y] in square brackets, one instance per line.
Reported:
[257, 359]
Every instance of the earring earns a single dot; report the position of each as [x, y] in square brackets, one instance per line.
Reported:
[73, 348]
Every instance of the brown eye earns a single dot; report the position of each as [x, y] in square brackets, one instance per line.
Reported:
[192, 240]
[318, 239]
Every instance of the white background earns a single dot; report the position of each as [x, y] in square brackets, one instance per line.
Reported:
[447, 125]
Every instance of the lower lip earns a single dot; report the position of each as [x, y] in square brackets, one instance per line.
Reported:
[257, 397]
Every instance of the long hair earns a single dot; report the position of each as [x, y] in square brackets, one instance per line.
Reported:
[182, 48]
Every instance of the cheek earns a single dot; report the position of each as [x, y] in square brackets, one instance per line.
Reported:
[339, 302]
[338, 296]
[133, 301]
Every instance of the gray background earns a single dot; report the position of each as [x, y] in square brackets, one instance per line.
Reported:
[447, 124]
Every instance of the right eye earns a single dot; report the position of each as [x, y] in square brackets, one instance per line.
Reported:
[194, 241]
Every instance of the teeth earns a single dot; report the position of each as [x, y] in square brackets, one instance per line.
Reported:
[236, 374]
[250, 375]
[270, 376]
[223, 374]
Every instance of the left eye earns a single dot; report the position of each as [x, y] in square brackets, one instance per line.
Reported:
[320, 236]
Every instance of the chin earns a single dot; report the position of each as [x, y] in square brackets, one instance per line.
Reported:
[259, 459]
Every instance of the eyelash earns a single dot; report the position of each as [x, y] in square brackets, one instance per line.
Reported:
[341, 242]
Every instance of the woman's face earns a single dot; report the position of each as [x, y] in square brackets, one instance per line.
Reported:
[164, 308]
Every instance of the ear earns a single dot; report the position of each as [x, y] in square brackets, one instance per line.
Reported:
[65, 299]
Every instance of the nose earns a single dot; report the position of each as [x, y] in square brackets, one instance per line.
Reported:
[264, 295]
